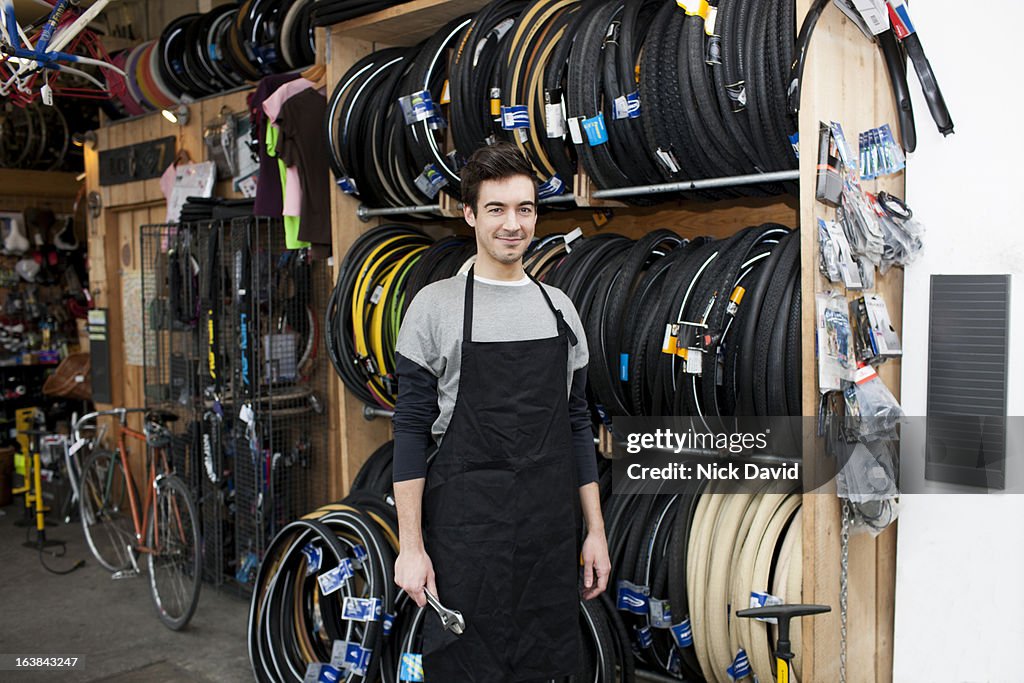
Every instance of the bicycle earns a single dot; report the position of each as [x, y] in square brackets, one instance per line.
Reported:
[167, 532]
[54, 49]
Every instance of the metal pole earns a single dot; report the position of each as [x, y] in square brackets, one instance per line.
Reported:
[730, 181]
[365, 213]
[653, 677]
[559, 199]
[369, 412]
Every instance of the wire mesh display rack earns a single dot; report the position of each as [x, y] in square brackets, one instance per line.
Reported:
[232, 346]
[278, 384]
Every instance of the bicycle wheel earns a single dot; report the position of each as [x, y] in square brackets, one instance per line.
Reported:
[175, 563]
[105, 510]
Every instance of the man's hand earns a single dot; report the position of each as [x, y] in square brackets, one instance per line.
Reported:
[414, 570]
[596, 565]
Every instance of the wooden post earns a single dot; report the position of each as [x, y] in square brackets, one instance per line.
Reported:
[844, 81]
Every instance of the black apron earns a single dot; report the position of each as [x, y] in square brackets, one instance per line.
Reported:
[500, 512]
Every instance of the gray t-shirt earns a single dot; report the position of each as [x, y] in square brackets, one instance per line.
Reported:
[431, 332]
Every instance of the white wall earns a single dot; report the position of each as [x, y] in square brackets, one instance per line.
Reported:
[960, 558]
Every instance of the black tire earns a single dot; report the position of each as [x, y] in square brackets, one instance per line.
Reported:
[178, 555]
[105, 510]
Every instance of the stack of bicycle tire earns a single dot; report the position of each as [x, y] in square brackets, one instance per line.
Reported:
[198, 55]
[294, 625]
[682, 563]
[637, 93]
[702, 327]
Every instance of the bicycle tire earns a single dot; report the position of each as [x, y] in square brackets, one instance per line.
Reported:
[97, 514]
[182, 504]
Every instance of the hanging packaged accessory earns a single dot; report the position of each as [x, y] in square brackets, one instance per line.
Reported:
[835, 342]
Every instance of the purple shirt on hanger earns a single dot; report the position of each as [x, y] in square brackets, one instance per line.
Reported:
[269, 201]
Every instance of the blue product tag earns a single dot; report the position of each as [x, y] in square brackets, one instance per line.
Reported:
[347, 185]
[247, 571]
[682, 633]
[360, 553]
[328, 674]
[632, 598]
[633, 105]
[357, 659]
[314, 557]
[551, 187]
[412, 667]
[361, 609]
[740, 666]
[515, 116]
[661, 613]
[596, 132]
[333, 580]
[794, 141]
[213, 52]
[624, 367]
[431, 180]
[417, 107]
[759, 599]
[318, 672]
[644, 637]
[389, 623]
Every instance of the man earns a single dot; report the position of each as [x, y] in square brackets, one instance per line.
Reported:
[492, 365]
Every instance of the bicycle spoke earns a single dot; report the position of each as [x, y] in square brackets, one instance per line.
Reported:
[174, 538]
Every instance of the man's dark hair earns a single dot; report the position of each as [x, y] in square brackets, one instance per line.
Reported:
[493, 162]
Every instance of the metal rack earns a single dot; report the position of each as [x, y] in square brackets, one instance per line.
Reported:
[278, 385]
[231, 346]
[365, 213]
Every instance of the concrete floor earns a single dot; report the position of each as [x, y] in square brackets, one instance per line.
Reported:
[111, 624]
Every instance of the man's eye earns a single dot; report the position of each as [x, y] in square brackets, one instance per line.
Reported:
[494, 211]
[526, 210]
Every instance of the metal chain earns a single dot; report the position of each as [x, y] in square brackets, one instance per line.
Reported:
[844, 574]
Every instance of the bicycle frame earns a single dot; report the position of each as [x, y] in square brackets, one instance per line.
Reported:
[47, 52]
[153, 455]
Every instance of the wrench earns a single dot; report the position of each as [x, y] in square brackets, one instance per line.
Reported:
[451, 620]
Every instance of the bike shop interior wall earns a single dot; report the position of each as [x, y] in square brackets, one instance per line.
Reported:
[959, 555]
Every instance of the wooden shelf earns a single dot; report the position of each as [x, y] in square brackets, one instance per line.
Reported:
[408, 23]
[38, 183]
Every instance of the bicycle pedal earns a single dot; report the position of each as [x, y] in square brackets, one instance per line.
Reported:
[124, 574]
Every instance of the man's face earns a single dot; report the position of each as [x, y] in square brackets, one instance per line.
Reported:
[505, 219]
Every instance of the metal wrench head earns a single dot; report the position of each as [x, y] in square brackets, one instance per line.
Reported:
[451, 620]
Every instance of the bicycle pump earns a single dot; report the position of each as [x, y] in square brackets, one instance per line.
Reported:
[33, 490]
[783, 647]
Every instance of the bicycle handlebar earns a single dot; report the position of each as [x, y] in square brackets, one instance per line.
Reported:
[122, 414]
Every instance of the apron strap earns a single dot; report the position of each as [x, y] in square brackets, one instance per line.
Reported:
[467, 313]
[563, 327]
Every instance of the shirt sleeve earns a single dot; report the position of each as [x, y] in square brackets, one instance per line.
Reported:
[415, 413]
[582, 432]
[416, 338]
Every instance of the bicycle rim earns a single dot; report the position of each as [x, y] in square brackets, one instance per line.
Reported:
[174, 561]
[105, 510]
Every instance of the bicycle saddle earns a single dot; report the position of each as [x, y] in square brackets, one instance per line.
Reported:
[160, 417]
